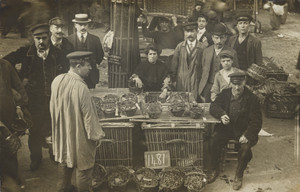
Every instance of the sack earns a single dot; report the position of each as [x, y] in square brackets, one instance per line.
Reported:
[278, 9]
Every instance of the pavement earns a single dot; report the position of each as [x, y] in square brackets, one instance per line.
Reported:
[274, 167]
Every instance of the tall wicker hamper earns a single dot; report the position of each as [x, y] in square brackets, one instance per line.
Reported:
[183, 140]
[116, 147]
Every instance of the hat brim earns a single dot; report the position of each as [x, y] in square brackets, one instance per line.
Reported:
[76, 21]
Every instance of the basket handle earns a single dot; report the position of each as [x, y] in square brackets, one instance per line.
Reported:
[176, 141]
[109, 140]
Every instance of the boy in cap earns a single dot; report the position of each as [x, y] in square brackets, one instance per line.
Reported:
[82, 40]
[71, 98]
[222, 81]
[239, 111]
[57, 35]
[186, 61]
[247, 46]
[41, 63]
[211, 61]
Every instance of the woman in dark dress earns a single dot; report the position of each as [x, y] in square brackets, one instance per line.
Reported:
[152, 74]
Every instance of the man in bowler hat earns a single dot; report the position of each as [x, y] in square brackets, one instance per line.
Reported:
[82, 40]
[239, 111]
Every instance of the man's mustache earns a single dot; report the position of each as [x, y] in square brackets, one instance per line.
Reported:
[60, 33]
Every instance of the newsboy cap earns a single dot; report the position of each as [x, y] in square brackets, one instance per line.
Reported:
[226, 53]
[78, 55]
[39, 29]
[201, 3]
[237, 77]
[242, 16]
[56, 21]
[219, 29]
[81, 18]
[190, 25]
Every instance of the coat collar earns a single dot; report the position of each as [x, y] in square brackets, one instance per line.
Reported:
[32, 51]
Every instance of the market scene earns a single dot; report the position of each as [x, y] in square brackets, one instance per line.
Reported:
[149, 95]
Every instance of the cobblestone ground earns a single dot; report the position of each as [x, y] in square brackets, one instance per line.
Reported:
[273, 167]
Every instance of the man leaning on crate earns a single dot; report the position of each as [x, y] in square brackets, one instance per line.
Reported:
[76, 130]
[240, 114]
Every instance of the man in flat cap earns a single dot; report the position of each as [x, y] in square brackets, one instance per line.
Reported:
[241, 120]
[82, 40]
[57, 35]
[211, 61]
[40, 62]
[186, 62]
[71, 98]
[247, 46]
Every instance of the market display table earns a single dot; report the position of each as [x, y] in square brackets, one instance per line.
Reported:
[181, 136]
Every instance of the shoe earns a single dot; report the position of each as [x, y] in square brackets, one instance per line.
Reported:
[237, 183]
[34, 165]
[212, 176]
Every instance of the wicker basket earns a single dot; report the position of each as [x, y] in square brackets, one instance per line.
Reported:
[146, 180]
[154, 110]
[118, 178]
[178, 113]
[171, 180]
[280, 76]
[99, 176]
[196, 112]
[195, 181]
[183, 140]
[281, 106]
[116, 148]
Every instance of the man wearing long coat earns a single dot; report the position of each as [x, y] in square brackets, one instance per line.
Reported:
[186, 62]
[41, 63]
[75, 124]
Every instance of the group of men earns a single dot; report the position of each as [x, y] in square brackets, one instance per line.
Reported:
[38, 65]
[195, 63]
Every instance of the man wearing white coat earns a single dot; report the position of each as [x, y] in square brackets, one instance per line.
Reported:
[76, 130]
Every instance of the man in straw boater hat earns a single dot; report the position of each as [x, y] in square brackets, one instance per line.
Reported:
[186, 62]
[239, 111]
[211, 61]
[76, 130]
[57, 35]
[82, 40]
[40, 62]
[247, 46]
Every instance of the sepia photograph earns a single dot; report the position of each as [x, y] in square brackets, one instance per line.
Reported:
[149, 95]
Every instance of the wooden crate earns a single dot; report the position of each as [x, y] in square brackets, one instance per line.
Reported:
[116, 147]
[183, 140]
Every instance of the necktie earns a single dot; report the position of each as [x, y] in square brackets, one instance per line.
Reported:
[82, 39]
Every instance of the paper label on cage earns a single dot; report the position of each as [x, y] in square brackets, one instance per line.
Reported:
[157, 159]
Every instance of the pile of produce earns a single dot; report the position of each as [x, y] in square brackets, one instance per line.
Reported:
[195, 181]
[128, 107]
[196, 111]
[171, 179]
[154, 110]
[99, 176]
[118, 178]
[177, 106]
[146, 179]
[109, 105]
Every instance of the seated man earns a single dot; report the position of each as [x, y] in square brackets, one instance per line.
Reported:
[239, 111]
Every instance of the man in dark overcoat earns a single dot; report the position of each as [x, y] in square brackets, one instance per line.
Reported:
[82, 40]
[41, 63]
[211, 61]
[57, 35]
[247, 46]
[240, 114]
